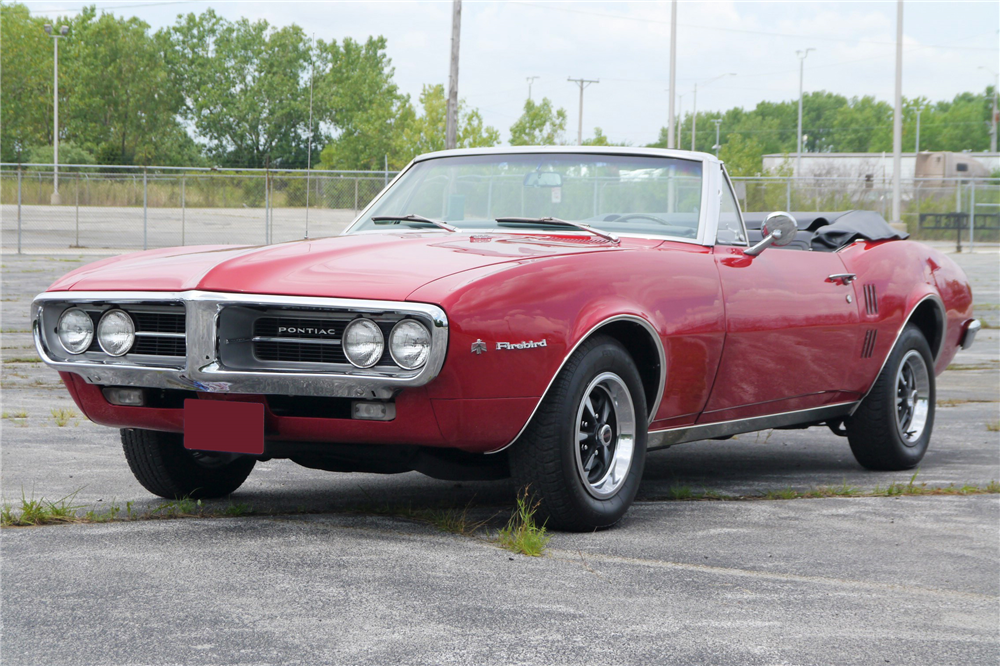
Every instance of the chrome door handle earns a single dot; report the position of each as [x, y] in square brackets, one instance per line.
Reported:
[842, 278]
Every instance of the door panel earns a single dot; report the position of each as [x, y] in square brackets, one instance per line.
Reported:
[790, 332]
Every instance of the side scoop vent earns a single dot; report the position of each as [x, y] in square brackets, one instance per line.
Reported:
[871, 300]
[869, 347]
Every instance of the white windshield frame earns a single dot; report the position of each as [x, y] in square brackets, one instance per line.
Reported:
[711, 182]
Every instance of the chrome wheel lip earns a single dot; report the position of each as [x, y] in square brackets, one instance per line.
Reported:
[911, 396]
[592, 430]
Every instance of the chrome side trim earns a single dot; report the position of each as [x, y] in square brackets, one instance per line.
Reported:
[633, 318]
[937, 352]
[202, 370]
[661, 439]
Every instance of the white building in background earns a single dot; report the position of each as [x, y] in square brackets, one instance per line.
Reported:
[877, 167]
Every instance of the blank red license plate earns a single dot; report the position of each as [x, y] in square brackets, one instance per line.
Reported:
[221, 425]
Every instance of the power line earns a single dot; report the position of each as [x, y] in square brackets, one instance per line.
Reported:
[737, 30]
[84, 5]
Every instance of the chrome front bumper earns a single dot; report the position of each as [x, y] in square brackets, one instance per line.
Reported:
[202, 370]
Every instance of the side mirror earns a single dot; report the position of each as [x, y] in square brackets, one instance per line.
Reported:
[779, 229]
[542, 179]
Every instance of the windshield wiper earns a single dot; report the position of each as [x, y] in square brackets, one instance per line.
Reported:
[394, 219]
[607, 235]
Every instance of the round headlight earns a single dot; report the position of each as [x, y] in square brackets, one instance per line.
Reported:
[75, 330]
[409, 344]
[115, 332]
[363, 343]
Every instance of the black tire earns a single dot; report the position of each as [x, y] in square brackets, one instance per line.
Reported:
[876, 430]
[544, 460]
[164, 467]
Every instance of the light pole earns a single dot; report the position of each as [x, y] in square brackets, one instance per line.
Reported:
[678, 121]
[717, 121]
[531, 79]
[993, 129]
[694, 111]
[798, 145]
[63, 31]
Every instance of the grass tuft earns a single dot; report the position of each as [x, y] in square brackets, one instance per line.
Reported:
[993, 427]
[38, 512]
[62, 416]
[521, 534]
[21, 414]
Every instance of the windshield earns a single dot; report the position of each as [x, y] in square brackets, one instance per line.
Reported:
[655, 196]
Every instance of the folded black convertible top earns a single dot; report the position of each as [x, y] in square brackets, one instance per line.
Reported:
[826, 232]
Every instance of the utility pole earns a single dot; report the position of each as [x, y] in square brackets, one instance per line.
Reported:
[63, 30]
[993, 128]
[694, 111]
[717, 121]
[583, 83]
[309, 151]
[680, 118]
[916, 147]
[671, 121]
[451, 127]
[531, 79]
[798, 150]
[897, 117]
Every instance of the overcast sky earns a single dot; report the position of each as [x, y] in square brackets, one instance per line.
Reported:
[626, 46]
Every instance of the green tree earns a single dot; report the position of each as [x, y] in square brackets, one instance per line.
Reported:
[426, 132]
[26, 64]
[245, 87]
[363, 104]
[119, 90]
[539, 125]
[742, 155]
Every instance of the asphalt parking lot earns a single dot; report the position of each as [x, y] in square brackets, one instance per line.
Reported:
[318, 575]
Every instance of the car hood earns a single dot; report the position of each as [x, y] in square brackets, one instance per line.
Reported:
[384, 266]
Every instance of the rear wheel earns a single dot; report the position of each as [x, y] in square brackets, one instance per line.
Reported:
[583, 454]
[892, 428]
[164, 467]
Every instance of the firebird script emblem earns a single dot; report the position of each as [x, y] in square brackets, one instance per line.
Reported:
[478, 347]
[530, 344]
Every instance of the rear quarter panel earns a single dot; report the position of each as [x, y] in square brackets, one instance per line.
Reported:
[903, 274]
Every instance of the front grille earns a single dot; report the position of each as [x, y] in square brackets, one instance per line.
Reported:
[159, 332]
[307, 339]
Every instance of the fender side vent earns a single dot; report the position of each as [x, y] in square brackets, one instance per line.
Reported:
[871, 300]
[869, 347]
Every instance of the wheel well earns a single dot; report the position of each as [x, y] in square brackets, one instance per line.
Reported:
[644, 351]
[927, 317]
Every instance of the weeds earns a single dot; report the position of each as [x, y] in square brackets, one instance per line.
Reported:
[62, 416]
[521, 534]
[32, 512]
[23, 359]
[21, 414]
[993, 427]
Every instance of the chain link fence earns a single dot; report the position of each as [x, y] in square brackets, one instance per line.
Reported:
[965, 211]
[120, 208]
[124, 209]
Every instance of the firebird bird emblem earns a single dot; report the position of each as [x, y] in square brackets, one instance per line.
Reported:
[478, 347]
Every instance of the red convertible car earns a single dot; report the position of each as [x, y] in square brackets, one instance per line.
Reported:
[547, 313]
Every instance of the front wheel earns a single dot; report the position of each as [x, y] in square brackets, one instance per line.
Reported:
[164, 467]
[892, 427]
[582, 455]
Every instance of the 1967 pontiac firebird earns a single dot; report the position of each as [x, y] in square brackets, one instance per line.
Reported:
[547, 313]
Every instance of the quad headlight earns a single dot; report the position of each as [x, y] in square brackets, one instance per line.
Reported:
[116, 332]
[363, 343]
[409, 344]
[75, 330]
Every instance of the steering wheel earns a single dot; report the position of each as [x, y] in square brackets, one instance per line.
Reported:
[644, 216]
